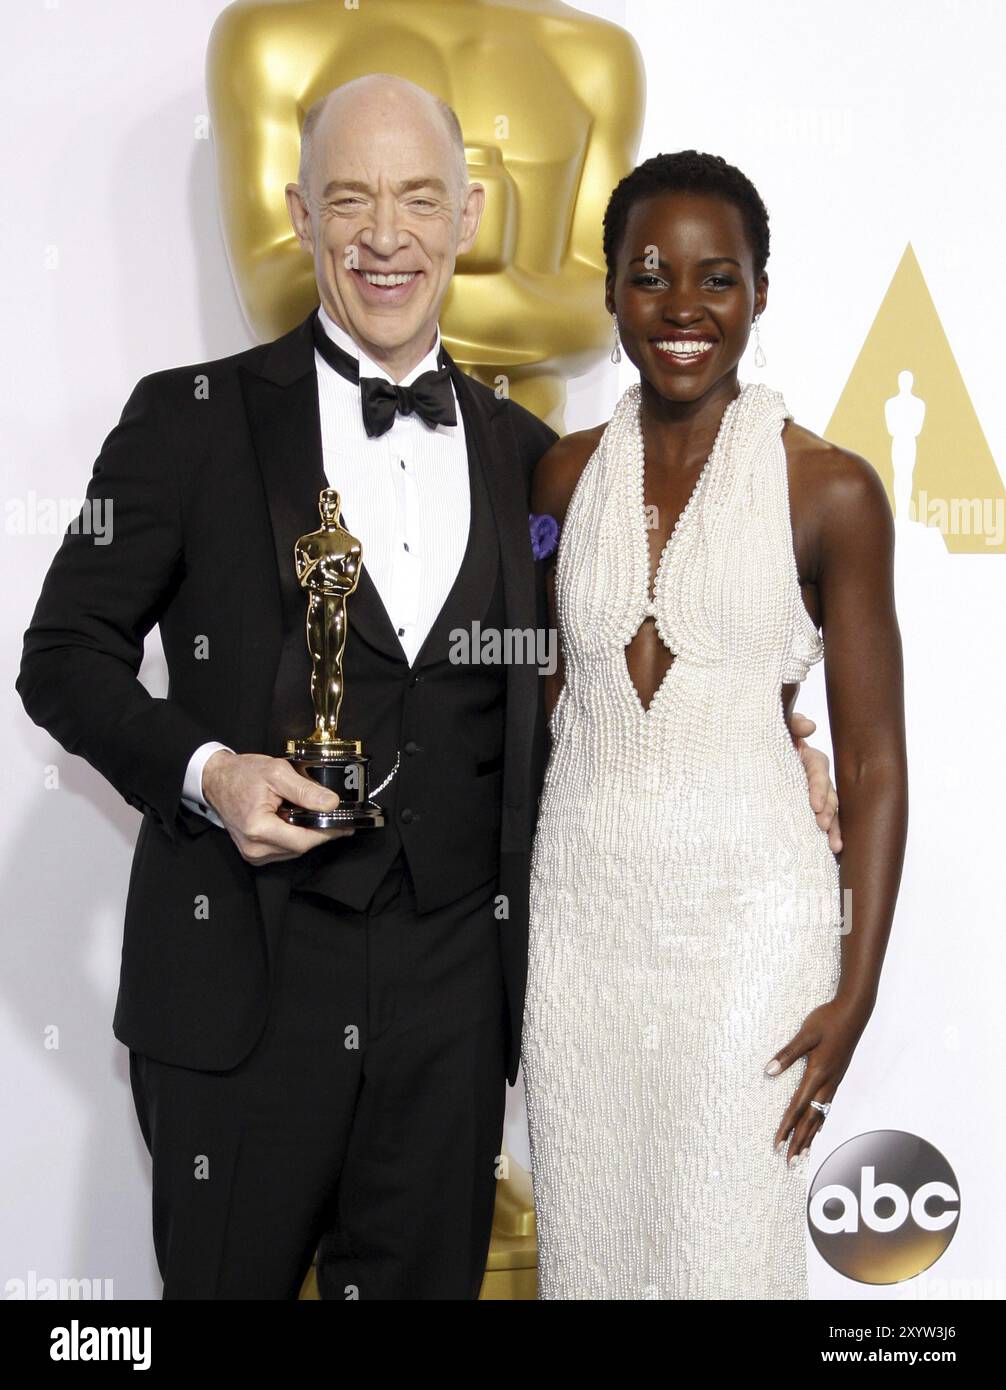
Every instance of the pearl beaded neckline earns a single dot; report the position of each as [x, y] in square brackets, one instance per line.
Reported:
[636, 474]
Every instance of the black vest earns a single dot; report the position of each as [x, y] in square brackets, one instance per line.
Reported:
[443, 719]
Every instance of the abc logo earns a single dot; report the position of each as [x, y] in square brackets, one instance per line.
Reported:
[883, 1207]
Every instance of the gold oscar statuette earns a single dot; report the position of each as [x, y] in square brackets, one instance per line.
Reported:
[328, 563]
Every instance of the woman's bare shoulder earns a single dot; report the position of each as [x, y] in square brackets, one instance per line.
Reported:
[558, 471]
[828, 474]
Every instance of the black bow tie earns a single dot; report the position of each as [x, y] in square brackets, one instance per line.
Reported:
[430, 396]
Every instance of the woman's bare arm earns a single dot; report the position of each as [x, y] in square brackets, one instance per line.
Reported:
[865, 686]
[843, 505]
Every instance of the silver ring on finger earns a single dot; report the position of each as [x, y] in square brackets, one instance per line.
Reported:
[823, 1105]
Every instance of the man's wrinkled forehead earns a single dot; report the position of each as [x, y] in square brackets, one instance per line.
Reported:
[399, 187]
[372, 139]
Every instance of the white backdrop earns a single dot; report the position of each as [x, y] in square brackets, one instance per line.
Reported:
[864, 127]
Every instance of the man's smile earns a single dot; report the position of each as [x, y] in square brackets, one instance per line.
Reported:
[386, 287]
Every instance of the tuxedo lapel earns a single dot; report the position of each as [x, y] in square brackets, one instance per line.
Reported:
[282, 404]
[486, 418]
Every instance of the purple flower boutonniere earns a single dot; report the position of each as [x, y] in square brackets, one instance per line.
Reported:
[544, 534]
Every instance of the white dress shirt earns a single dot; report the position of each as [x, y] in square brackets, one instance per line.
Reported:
[404, 495]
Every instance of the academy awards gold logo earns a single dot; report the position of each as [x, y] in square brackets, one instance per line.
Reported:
[883, 1207]
[906, 408]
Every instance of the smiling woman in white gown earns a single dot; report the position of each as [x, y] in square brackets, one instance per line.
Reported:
[685, 904]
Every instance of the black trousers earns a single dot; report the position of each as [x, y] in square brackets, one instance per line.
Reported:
[366, 1122]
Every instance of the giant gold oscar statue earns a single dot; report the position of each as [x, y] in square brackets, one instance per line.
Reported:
[551, 102]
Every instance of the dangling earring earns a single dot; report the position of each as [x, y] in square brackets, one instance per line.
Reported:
[616, 351]
[759, 357]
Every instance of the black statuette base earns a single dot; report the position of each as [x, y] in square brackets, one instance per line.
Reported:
[346, 775]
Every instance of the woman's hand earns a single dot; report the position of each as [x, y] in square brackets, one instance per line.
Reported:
[823, 796]
[827, 1037]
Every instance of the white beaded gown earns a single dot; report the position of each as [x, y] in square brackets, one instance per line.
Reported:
[685, 906]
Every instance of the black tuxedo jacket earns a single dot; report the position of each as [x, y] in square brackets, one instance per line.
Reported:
[200, 472]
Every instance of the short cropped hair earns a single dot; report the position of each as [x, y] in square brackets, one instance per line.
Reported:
[687, 171]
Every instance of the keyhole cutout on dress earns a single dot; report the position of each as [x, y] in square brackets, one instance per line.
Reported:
[647, 656]
[648, 659]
